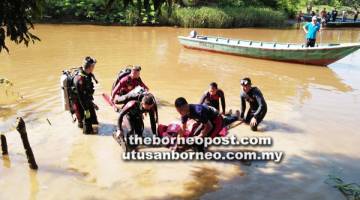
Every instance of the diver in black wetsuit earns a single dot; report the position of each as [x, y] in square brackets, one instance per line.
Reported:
[83, 92]
[258, 107]
[213, 96]
[132, 116]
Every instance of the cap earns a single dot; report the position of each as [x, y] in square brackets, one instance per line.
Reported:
[314, 18]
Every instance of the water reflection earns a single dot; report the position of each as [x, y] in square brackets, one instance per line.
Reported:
[6, 161]
[34, 184]
[170, 71]
[284, 80]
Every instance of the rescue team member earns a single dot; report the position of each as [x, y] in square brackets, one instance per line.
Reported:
[258, 107]
[126, 84]
[213, 96]
[133, 112]
[83, 105]
[211, 120]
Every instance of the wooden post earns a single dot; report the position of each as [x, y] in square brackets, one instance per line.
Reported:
[4, 147]
[21, 128]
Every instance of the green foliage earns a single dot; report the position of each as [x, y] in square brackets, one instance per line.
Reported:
[4, 81]
[350, 190]
[331, 3]
[132, 16]
[235, 3]
[258, 17]
[289, 6]
[15, 21]
[203, 17]
[212, 17]
[186, 13]
[191, 2]
[82, 10]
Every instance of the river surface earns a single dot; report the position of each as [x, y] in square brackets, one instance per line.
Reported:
[312, 116]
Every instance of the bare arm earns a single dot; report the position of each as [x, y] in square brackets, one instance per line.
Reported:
[207, 128]
[304, 27]
[115, 91]
[142, 84]
[202, 100]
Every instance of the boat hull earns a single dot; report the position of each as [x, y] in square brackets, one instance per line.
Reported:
[311, 56]
[343, 24]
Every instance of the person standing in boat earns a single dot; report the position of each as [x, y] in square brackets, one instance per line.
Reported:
[344, 16]
[356, 14]
[213, 96]
[256, 100]
[334, 14]
[311, 29]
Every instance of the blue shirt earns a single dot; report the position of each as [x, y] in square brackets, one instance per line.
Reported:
[312, 30]
[200, 113]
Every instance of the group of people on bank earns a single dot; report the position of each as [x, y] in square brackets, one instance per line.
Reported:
[326, 16]
[133, 99]
[314, 26]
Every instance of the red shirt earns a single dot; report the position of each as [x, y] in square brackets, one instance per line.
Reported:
[127, 84]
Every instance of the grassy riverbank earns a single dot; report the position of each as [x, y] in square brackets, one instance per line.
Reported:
[222, 14]
[227, 17]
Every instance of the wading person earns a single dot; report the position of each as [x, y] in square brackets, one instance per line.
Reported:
[311, 29]
[213, 96]
[258, 107]
[83, 104]
[132, 117]
[127, 84]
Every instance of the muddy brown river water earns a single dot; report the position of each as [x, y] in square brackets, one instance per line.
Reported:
[312, 116]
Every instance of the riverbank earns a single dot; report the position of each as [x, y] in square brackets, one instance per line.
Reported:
[303, 106]
[175, 15]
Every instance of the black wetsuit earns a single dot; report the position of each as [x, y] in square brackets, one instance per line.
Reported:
[83, 100]
[213, 100]
[134, 119]
[258, 107]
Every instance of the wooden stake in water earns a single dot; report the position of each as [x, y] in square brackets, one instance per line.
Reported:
[21, 128]
[4, 147]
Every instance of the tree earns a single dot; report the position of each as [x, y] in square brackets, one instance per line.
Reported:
[144, 4]
[16, 21]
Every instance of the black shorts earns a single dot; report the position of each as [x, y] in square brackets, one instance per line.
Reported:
[310, 42]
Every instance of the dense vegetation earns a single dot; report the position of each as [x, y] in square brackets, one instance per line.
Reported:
[15, 21]
[187, 13]
[16, 16]
[226, 17]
